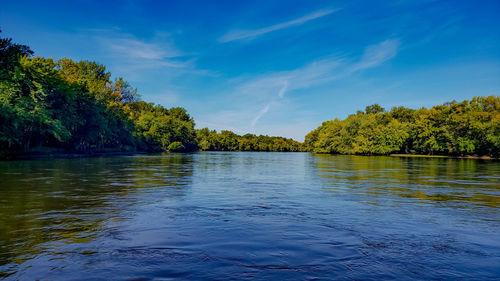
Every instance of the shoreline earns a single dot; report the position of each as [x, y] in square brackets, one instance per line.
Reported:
[55, 155]
[444, 156]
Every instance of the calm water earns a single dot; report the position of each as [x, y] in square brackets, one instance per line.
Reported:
[249, 216]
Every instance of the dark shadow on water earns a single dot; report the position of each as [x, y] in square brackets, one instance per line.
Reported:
[45, 203]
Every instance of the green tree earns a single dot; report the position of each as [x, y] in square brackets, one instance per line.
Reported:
[466, 128]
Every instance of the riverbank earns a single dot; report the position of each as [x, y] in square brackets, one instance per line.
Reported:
[49, 155]
[444, 156]
[35, 156]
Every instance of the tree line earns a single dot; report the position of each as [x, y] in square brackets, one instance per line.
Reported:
[68, 106]
[49, 105]
[73, 106]
[229, 141]
[470, 127]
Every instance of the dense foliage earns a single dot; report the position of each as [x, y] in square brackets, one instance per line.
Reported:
[76, 106]
[63, 105]
[471, 127]
[229, 141]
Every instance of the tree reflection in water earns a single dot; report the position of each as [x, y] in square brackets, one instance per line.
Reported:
[439, 180]
[46, 203]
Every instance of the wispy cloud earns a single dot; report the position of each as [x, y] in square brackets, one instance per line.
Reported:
[252, 33]
[140, 53]
[270, 84]
[283, 90]
[134, 48]
[281, 94]
[264, 88]
[140, 59]
[262, 112]
[272, 87]
[377, 54]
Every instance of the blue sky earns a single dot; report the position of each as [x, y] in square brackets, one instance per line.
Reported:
[274, 67]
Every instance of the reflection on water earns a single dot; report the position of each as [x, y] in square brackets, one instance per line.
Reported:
[47, 203]
[233, 215]
[456, 183]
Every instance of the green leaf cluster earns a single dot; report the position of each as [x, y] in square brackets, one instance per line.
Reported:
[229, 141]
[470, 127]
[73, 106]
[76, 106]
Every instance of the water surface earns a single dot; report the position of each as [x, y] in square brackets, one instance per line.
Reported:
[231, 215]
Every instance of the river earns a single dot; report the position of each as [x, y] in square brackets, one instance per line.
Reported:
[244, 215]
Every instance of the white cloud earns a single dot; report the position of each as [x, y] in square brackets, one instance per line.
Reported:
[140, 54]
[249, 34]
[262, 112]
[134, 48]
[265, 88]
[266, 93]
[377, 54]
[141, 59]
[283, 90]
[277, 83]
